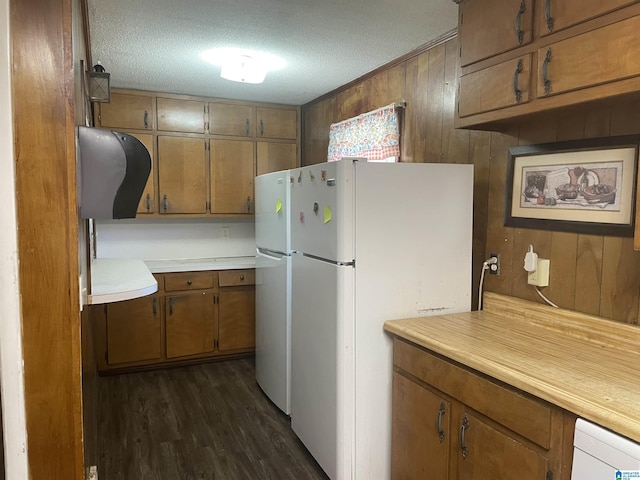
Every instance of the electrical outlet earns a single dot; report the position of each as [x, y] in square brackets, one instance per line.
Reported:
[540, 276]
[494, 268]
[225, 232]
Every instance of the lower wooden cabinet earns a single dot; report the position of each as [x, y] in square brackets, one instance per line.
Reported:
[192, 317]
[450, 422]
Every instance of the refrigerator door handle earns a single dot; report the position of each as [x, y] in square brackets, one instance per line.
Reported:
[269, 254]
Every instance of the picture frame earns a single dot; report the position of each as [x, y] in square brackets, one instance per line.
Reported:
[582, 186]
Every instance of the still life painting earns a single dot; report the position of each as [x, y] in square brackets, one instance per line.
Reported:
[586, 186]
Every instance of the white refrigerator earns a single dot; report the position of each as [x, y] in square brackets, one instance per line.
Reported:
[371, 242]
[273, 287]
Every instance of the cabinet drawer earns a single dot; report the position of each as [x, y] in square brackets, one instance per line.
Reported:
[499, 86]
[490, 28]
[528, 417]
[600, 56]
[189, 281]
[233, 278]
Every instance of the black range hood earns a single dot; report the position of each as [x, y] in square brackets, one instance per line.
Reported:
[114, 168]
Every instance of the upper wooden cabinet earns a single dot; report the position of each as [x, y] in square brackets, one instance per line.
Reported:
[272, 157]
[277, 123]
[557, 15]
[591, 55]
[148, 201]
[487, 28]
[126, 111]
[180, 115]
[232, 119]
[182, 175]
[232, 174]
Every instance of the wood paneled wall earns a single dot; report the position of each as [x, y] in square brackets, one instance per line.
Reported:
[592, 274]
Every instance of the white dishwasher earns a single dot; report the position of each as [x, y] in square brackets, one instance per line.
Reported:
[599, 454]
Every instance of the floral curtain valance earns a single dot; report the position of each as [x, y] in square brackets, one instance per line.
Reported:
[374, 135]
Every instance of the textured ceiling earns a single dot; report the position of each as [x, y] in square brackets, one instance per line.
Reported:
[156, 44]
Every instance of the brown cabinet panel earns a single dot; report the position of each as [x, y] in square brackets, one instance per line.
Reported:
[556, 15]
[148, 201]
[189, 281]
[234, 278]
[231, 119]
[485, 453]
[180, 115]
[495, 87]
[182, 175]
[126, 111]
[419, 450]
[190, 327]
[134, 331]
[600, 56]
[489, 28]
[277, 123]
[237, 322]
[232, 174]
[272, 157]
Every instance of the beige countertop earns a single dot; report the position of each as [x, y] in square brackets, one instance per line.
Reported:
[584, 364]
[200, 264]
[115, 279]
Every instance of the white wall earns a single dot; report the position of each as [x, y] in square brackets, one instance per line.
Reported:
[11, 366]
[174, 238]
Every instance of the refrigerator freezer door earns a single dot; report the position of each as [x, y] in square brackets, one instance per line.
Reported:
[322, 370]
[272, 211]
[273, 327]
[322, 211]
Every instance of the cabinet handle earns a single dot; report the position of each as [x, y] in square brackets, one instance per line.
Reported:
[189, 282]
[519, 32]
[148, 202]
[241, 277]
[165, 203]
[248, 204]
[170, 305]
[516, 90]
[547, 15]
[146, 119]
[545, 72]
[463, 429]
[155, 306]
[441, 412]
[261, 128]
[246, 127]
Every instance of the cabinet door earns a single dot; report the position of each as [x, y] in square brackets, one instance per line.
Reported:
[600, 56]
[190, 324]
[499, 86]
[271, 157]
[180, 115]
[229, 119]
[490, 28]
[126, 111]
[232, 174]
[420, 432]
[556, 15]
[484, 453]
[134, 330]
[182, 175]
[237, 318]
[148, 201]
[277, 123]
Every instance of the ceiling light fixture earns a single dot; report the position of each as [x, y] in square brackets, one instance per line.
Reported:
[243, 65]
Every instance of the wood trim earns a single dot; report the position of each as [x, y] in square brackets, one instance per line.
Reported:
[44, 138]
[445, 37]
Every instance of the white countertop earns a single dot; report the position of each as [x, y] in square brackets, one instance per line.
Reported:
[200, 264]
[116, 279]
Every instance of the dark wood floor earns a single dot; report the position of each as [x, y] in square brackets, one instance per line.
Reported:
[208, 421]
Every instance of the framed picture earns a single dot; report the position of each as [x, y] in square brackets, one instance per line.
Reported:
[585, 186]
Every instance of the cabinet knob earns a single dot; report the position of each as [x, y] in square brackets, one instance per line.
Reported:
[241, 277]
[189, 282]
